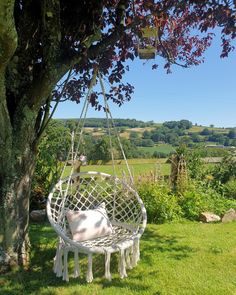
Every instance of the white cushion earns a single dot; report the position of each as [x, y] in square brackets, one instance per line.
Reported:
[89, 224]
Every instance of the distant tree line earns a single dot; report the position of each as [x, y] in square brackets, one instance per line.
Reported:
[227, 139]
[102, 123]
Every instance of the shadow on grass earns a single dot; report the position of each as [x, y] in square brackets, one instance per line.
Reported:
[156, 243]
[43, 242]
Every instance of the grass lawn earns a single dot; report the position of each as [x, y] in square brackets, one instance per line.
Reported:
[176, 259]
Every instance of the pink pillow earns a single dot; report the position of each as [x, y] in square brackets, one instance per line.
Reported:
[89, 224]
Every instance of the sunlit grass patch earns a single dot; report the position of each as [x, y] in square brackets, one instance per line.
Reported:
[176, 259]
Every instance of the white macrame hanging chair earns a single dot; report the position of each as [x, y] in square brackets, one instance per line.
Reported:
[85, 191]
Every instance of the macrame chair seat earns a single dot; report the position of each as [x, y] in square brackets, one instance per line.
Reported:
[124, 207]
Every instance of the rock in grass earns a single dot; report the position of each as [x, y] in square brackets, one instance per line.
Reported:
[209, 217]
[38, 215]
[229, 216]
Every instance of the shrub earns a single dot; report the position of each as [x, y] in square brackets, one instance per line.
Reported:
[200, 198]
[226, 170]
[160, 203]
[157, 154]
[229, 189]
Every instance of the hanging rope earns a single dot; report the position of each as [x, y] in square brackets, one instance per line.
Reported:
[108, 122]
[108, 113]
[80, 127]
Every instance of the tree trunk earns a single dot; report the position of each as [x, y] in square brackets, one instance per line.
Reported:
[8, 43]
[15, 192]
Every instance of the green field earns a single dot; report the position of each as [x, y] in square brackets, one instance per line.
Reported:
[216, 129]
[161, 148]
[176, 259]
[137, 166]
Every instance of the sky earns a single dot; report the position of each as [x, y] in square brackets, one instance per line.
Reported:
[203, 94]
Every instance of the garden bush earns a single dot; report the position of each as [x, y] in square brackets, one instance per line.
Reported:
[229, 189]
[160, 203]
[199, 198]
[163, 206]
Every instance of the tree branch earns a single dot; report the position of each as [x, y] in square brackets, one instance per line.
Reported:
[167, 54]
[45, 115]
[8, 43]
[8, 35]
[51, 27]
[55, 106]
[49, 75]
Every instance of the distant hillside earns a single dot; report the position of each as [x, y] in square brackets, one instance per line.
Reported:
[146, 139]
[150, 134]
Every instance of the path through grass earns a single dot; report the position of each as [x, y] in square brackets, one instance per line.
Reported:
[176, 259]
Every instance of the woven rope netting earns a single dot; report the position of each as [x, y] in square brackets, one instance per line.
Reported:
[86, 191]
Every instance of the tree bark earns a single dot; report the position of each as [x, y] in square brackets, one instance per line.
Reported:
[15, 192]
[8, 43]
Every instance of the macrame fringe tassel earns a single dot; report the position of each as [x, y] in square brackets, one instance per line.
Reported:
[127, 258]
[136, 253]
[122, 264]
[89, 277]
[57, 267]
[65, 268]
[107, 266]
[76, 266]
[55, 260]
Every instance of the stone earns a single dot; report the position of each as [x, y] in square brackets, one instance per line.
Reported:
[209, 217]
[38, 215]
[229, 216]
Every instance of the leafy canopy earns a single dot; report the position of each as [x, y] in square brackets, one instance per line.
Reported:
[81, 35]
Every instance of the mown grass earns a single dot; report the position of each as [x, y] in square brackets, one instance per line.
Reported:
[176, 259]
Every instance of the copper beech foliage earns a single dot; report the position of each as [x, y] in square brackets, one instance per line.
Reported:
[105, 34]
